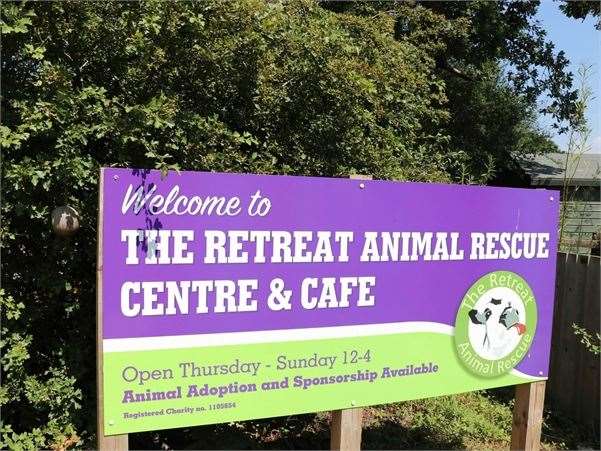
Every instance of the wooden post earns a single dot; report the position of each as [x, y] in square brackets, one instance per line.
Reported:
[345, 429]
[105, 442]
[528, 416]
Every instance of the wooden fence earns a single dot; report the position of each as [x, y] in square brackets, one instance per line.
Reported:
[573, 386]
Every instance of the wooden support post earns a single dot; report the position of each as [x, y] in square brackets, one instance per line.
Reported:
[105, 442]
[345, 429]
[528, 416]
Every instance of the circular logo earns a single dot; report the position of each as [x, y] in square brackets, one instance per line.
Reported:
[495, 323]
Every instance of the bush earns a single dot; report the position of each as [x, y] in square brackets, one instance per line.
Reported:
[226, 86]
[246, 86]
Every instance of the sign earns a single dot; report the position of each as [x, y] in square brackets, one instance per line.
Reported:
[227, 297]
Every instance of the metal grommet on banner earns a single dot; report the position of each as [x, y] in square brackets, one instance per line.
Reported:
[361, 185]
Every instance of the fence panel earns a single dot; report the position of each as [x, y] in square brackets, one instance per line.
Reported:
[573, 386]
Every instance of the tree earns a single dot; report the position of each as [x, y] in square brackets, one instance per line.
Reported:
[581, 9]
[249, 86]
[481, 49]
[246, 86]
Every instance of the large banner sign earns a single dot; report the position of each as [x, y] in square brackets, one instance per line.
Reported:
[227, 297]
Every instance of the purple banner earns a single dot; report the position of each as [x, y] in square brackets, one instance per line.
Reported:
[220, 246]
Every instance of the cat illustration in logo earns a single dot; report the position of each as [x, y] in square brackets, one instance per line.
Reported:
[502, 327]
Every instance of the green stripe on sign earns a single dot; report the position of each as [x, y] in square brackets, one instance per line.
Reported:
[149, 390]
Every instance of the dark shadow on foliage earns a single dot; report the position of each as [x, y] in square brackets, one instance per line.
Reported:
[309, 431]
[293, 432]
[503, 395]
[392, 435]
[557, 427]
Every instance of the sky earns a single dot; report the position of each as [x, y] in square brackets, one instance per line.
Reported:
[582, 44]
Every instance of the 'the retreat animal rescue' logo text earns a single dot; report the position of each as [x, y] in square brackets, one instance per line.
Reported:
[495, 323]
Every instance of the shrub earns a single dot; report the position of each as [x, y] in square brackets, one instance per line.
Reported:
[224, 86]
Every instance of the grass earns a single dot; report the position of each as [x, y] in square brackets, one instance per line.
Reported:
[476, 420]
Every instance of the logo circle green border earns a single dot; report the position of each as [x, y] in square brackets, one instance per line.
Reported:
[466, 353]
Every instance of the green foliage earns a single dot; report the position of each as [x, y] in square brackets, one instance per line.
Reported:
[476, 420]
[490, 116]
[579, 137]
[250, 86]
[581, 9]
[51, 393]
[246, 86]
[495, 63]
[465, 38]
[590, 340]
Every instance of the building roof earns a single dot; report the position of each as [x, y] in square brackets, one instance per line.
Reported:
[550, 169]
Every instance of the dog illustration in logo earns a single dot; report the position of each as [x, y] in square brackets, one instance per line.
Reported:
[502, 327]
